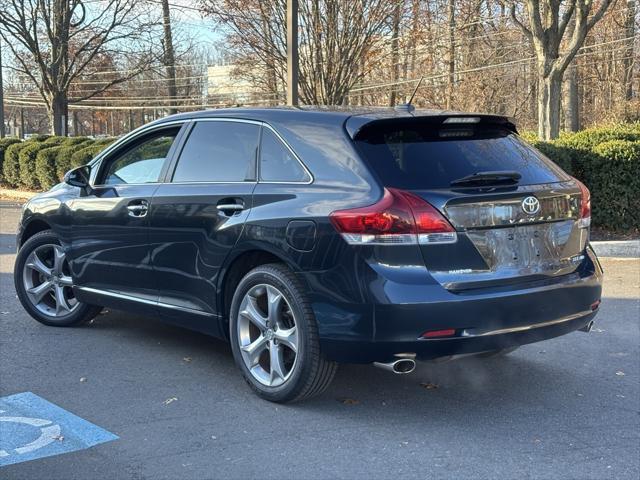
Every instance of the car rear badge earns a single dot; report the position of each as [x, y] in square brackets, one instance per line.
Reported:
[530, 205]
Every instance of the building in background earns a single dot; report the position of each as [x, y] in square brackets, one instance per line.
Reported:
[223, 89]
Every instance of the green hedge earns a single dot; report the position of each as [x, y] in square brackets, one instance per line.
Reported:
[615, 175]
[41, 162]
[27, 165]
[46, 166]
[52, 141]
[11, 164]
[607, 161]
[4, 144]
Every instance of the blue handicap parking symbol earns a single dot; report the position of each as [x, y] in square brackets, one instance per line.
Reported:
[31, 427]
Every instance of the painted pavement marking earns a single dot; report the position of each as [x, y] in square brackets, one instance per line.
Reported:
[31, 428]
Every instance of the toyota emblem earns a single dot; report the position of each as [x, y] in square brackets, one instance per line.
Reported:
[530, 205]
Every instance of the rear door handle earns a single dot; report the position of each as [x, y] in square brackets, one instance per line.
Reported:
[230, 206]
[138, 208]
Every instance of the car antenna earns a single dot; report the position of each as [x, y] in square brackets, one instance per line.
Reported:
[407, 107]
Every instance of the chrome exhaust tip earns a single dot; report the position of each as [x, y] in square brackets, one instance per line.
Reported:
[587, 328]
[402, 366]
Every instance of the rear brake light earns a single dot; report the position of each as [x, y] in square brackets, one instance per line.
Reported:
[399, 218]
[585, 204]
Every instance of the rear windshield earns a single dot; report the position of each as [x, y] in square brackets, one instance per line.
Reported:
[431, 157]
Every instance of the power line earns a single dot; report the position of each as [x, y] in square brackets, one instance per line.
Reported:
[486, 67]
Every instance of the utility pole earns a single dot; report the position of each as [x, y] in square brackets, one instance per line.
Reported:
[292, 52]
[21, 122]
[1, 96]
[169, 56]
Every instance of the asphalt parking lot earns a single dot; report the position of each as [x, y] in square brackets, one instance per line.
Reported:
[565, 408]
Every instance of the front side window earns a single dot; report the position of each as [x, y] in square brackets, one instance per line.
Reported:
[142, 163]
[277, 163]
[220, 151]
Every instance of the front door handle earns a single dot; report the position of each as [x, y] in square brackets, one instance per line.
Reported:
[138, 208]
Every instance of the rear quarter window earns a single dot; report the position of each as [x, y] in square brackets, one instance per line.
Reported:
[431, 157]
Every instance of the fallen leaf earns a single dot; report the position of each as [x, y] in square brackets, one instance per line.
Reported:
[349, 401]
[430, 386]
[170, 400]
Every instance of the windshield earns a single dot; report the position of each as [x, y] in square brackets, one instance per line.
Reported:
[431, 157]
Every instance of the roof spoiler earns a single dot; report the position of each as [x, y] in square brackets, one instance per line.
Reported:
[356, 124]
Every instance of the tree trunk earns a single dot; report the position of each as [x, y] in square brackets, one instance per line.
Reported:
[395, 54]
[169, 57]
[58, 111]
[630, 51]
[571, 100]
[549, 103]
[451, 54]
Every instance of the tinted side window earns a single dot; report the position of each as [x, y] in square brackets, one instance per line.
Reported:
[142, 163]
[277, 163]
[219, 152]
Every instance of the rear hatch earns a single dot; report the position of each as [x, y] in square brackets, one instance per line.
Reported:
[518, 217]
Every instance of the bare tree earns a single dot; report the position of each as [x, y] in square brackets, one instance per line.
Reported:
[56, 41]
[545, 27]
[334, 36]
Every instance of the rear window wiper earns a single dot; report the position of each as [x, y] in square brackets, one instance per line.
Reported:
[487, 178]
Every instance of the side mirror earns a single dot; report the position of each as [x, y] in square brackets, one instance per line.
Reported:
[78, 177]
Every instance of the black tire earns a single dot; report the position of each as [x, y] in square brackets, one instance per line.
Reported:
[311, 373]
[497, 353]
[80, 314]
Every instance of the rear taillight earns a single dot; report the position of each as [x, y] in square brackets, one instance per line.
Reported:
[585, 204]
[399, 218]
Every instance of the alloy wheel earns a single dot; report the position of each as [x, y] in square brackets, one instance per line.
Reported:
[268, 335]
[47, 281]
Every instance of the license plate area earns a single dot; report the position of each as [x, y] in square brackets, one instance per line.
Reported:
[527, 247]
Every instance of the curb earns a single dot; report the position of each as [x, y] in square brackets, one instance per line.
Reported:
[16, 195]
[624, 249]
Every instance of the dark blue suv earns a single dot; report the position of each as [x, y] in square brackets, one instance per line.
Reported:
[310, 237]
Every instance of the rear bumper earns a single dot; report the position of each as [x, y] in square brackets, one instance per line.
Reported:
[426, 349]
[486, 319]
